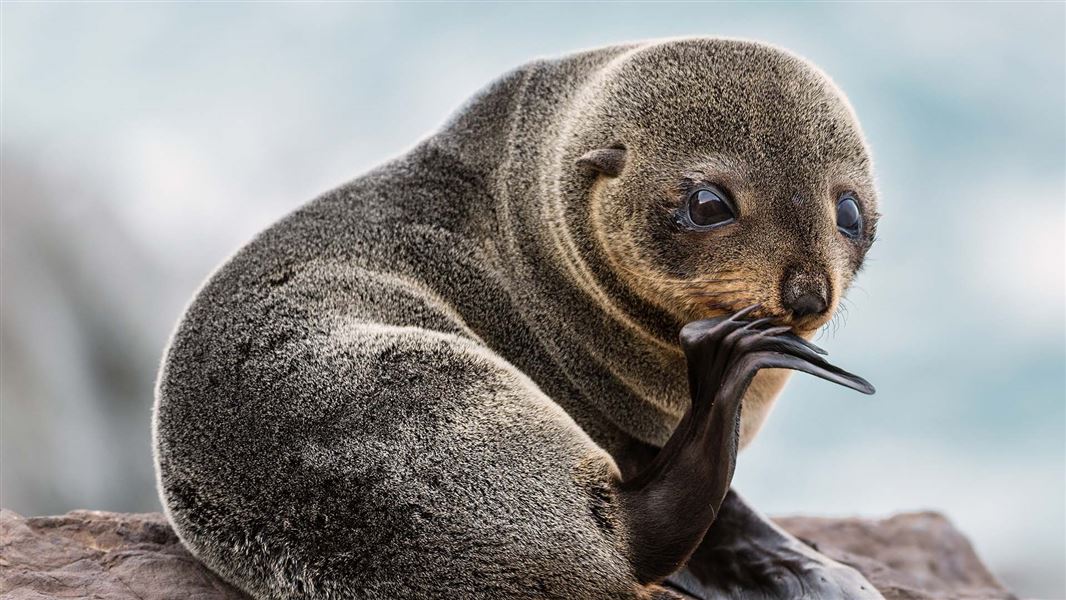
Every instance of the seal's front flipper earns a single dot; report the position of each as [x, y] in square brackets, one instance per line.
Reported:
[670, 504]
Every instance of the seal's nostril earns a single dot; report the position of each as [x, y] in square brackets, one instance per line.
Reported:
[805, 291]
[807, 304]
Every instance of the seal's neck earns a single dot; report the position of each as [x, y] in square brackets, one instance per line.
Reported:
[618, 353]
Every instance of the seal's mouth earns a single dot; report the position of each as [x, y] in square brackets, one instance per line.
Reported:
[803, 325]
[803, 300]
[726, 292]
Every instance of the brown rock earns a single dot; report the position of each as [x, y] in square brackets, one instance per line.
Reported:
[913, 556]
[90, 554]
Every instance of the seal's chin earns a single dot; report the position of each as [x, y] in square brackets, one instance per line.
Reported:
[807, 327]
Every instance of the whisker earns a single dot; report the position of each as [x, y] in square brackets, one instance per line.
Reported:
[821, 331]
[846, 314]
[702, 282]
[706, 292]
[731, 307]
[714, 278]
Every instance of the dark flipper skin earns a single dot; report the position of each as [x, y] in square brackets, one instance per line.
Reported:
[746, 556]
[672, 502]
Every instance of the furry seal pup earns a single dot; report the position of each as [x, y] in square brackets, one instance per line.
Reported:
[460, 376]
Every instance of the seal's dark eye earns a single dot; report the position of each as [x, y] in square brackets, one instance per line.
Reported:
[849, 219]
[709, 206]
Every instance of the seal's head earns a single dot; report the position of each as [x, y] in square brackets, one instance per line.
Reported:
[724, 173]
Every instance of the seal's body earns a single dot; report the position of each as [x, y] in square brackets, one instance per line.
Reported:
[425, 383]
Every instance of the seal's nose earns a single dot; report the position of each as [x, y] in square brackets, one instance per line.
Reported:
[806, 304]
[804, 294]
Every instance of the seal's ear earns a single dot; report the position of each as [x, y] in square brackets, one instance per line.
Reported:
[608, 161]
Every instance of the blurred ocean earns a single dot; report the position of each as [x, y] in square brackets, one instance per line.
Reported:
[143, 143]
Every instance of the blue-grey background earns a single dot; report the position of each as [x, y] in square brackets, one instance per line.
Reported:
[143, 143]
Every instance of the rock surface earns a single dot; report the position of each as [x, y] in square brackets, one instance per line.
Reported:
[89, 554]
[912, 556]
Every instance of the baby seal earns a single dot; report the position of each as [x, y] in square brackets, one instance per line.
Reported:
[459, 376]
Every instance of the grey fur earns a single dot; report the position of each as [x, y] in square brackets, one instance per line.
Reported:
[414, 385]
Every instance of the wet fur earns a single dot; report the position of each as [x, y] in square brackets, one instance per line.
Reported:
[418, 384]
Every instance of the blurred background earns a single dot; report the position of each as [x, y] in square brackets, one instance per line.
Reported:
[143, 143]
